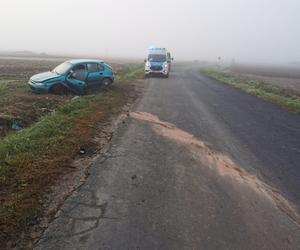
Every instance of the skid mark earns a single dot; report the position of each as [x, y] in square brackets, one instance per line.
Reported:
[224, 166]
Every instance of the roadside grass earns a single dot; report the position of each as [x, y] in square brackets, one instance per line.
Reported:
[262, 90]
[136, 71]
[32, 159]
[27, 144]
[8, 88]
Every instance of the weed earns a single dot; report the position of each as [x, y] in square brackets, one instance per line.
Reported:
[262, 90]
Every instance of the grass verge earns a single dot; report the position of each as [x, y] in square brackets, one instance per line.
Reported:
[10, 86]
[136, 71]
[32, 159]
[262, 90]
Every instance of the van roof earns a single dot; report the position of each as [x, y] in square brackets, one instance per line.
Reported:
[157, 49]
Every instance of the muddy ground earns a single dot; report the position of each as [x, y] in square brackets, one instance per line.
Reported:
[19, 106]
[24, 68]
[53, 175]
[284, 77]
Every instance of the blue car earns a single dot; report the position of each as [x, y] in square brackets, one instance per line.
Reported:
[73, 76]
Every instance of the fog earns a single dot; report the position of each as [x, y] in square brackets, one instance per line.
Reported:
[246, 30]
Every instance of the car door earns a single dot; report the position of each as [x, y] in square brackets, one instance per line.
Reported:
[94, 74]
[80, 72]
[76, 79]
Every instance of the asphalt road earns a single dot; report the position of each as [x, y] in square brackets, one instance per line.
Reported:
[197, 165]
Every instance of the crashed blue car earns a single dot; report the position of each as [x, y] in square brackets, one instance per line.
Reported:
[74, 76]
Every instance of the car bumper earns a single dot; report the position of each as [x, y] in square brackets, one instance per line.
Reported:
[156, 72]
[38, 88]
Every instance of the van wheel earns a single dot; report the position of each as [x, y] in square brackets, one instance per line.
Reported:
[106, 82]
[59, 89]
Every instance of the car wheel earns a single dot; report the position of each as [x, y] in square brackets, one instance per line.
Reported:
[59, 89]
[106, 82]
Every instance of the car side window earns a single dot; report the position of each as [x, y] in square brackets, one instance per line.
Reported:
[80, 72]
[79, 67]
[101, 67]
[92, 67]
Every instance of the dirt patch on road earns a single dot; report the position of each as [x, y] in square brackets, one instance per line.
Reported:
[220, 162]
[168, 130]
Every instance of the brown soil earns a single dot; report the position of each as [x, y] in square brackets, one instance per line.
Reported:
[24, 109]
[24, 69]
[21, 106]
[286, 78]
[287, 71]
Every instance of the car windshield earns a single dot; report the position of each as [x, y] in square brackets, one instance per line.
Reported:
[157, 58]
[63, 68]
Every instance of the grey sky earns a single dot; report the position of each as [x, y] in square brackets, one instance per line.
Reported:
[249, 30]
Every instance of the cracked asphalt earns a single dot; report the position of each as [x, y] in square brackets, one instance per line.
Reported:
[197, 165]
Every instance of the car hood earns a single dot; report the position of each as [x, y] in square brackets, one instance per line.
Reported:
[44, 76]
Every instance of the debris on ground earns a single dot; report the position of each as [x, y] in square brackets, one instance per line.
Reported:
[75, 98]
[82, 151]
[16, 126]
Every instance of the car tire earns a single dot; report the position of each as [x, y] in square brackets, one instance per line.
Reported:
[59, 89]
[106, 82]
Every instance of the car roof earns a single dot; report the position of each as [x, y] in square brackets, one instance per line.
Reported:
[77, 61]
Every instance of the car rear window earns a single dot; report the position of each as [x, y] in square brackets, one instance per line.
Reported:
[92, 67]
[101, 67]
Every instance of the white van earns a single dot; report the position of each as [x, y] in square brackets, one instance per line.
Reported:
[158, 62]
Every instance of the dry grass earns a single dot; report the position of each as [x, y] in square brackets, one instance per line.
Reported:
[275, 94]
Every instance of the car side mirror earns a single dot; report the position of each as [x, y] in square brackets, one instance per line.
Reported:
[145, 60]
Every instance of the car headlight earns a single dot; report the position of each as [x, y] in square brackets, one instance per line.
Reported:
[39, 83]
[148, 64]
[166, 65]
[36, 83]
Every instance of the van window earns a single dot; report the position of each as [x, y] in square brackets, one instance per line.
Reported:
[157, 58]
[169, 55]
